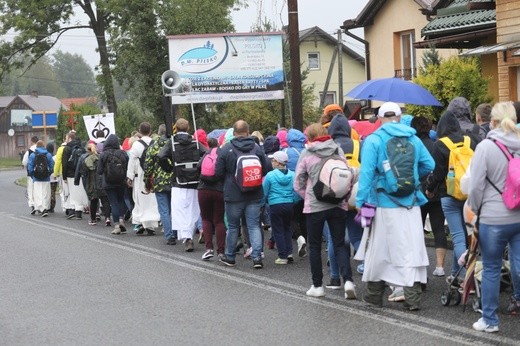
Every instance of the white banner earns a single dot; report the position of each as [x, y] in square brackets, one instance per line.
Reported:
[103, 122]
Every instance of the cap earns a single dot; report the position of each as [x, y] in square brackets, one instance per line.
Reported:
[280, 156]
[332, 107]
[389, 109]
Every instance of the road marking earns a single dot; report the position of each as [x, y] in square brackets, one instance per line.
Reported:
[444, 330]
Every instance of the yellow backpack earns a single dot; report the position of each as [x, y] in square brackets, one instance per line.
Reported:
[353, 158]
[458, 162]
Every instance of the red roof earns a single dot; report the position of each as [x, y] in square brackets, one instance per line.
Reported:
[78, 101]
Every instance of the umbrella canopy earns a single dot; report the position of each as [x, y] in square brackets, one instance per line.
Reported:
[216, 133]
[395, 90]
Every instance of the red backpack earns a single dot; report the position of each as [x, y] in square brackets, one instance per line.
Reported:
[207, 167]
[248, 173]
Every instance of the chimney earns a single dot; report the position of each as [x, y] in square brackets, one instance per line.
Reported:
[34, 93]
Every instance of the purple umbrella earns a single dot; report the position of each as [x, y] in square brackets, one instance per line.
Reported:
[395, 90]
[216, 133]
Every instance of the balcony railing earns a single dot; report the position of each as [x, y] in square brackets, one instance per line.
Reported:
[406, 74]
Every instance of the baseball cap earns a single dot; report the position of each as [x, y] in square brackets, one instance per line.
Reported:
[332, 107]
[280, 156]
[389, 109]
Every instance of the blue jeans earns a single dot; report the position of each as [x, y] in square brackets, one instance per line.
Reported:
[453, 211]
[493, 240]
[116, 197]
[251, 211]
[281, 215]
[354, 230]
[333, 264]
[164, 205]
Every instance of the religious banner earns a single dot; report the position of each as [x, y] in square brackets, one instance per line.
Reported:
[103, 122]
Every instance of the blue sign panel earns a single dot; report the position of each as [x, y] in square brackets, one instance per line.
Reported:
[51, 120]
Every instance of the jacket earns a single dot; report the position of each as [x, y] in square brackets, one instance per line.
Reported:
[307, 170]
[296, 140]
[340, 131]
[91, 180]
[227, 164]
[111, 147]
[278, 186]
[461, 108]
[161, 180]
[271, 145]
[57, 162]
[371, 178]
[489, 161]
[30, 163]
[448, 126]
[68, 172]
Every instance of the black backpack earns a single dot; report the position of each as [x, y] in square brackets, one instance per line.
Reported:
[186, 156]
[41, 166]
[142, 158]
[115, 172]
[75, 154]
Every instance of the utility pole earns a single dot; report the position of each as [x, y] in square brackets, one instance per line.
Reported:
[294, 52]
[340, 69]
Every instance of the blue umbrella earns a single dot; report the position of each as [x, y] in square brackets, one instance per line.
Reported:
[216, 133]
[395, 90]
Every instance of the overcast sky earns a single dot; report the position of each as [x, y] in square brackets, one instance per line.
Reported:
[326, 14]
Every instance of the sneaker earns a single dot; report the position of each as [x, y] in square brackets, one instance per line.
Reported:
[290, 259]
[315, 291]
[270, 244]
[122, 228]
[149, 231]
[108, 223]
[33, 211]
[350, 290]
[116, 230]
[140, 230]
[281, 261]
[361, 268]
[45, 213]
[257, 263]
[226, 261]
[188, 245]
[396, 296]
[482, 326]
[207, 255]
[248, 252]
[171, 241]
[70, 216]
[439, 271]
[335, 284]
[98, 217]
[302, 246]
[92, 223]
[514, 306]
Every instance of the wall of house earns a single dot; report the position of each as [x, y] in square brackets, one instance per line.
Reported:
[353, 71]
[508, 30]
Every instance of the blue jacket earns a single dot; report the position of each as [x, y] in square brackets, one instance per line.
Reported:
[30, 163]
[296, 140]
[278, 186]
[374, 153]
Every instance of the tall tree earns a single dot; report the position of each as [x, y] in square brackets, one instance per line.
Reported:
[39, 24]
[74, 74]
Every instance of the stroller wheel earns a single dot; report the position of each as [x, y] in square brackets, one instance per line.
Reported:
[477, 305]
[445, 298]
[457, 297]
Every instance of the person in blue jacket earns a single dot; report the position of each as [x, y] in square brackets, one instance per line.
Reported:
[41, 184]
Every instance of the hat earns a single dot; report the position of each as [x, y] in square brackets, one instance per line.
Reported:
[280, 156]
[389, 109]
[332, 107]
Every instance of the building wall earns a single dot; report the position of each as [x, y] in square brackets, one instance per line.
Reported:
[508, 30]
[353, 71]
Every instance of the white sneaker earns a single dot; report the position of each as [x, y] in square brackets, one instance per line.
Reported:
[350, 290]
[482, 326]
[396, 296]
[207, 255]
[302, 246]
[248, 252]
[439, 271]
[116, 230]
[316, 291]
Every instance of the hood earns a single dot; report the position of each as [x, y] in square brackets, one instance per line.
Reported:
[183, 138]
[510, 140]
[50, 148]
[202, 137]
[112, 142]
[40, 150]
[448, 125]
[461, 108]
[244, 144]
[296, 139]
[397, 129]
[282, 178]
[339, 127]
[74, 142]
[282, 137]
[271, 145]
[323, 149]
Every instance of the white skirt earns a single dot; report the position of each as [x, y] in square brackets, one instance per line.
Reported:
[41, 195]
[394, 250]
[185, 212]
[145, 211]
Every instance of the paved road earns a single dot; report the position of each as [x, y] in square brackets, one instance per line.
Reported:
[64, 282]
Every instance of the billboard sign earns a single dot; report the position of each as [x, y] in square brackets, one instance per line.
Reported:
[44, 119]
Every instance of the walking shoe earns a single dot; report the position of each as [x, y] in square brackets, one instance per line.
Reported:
[149, 231]
[98, 217]
[350, 290]
[122, 228]
[140, 230]
[315, 291]
[92, 223]
[116, 230]
[270, 244]
[226, 261]
[514, 306]
[207, 255]
[361, 268]
[281, 261]
[396, 296]
[33, 211]
[290, 259]
[302, 246]
[335, 284]
[171, 241]
[71, 216]
[248, 252]
[188, 245]
[411, 307]
[45, 213]
[257, 263]
[108, 223]
[201, 238]
[439, 271]
[482, 326]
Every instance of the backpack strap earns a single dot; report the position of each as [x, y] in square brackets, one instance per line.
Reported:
[508, 156]
[355, 151]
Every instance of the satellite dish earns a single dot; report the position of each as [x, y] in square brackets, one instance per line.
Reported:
[10, 132]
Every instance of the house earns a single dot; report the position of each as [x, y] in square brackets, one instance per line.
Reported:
[16, 121]
[391, 27]
[319, 56]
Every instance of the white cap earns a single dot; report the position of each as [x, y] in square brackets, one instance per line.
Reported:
[389, 109]
[280, 156]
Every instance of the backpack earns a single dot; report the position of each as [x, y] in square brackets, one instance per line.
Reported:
[334, 180]
[74, 157]
[41, 166]
[115, 172]
[248, 172]
[142, 158]
[207, 168]
[511, 193]
[458, 163]
[353, 158]
[399, 168]
[186, 156]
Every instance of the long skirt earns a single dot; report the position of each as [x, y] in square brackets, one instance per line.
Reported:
[185, 212]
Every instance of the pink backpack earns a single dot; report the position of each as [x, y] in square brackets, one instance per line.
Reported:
[511, 193]
[207, 168]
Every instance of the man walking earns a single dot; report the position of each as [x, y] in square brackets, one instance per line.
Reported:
[25, 163]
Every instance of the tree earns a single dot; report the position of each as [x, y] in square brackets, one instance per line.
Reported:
[430, 58]
[74, 75]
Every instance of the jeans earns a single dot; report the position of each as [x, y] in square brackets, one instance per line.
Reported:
[251, 211]
[493, 240]
[116, 196]
[165, 211]
[354, 230]
[281, 215]
[453, 211]
[336, 218]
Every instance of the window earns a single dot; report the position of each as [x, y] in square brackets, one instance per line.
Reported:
[314, 61]
[20, 141]
[330, 98]
[21, 117]
[405, 55]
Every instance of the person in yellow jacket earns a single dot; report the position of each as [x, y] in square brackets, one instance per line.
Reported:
[64, 189]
